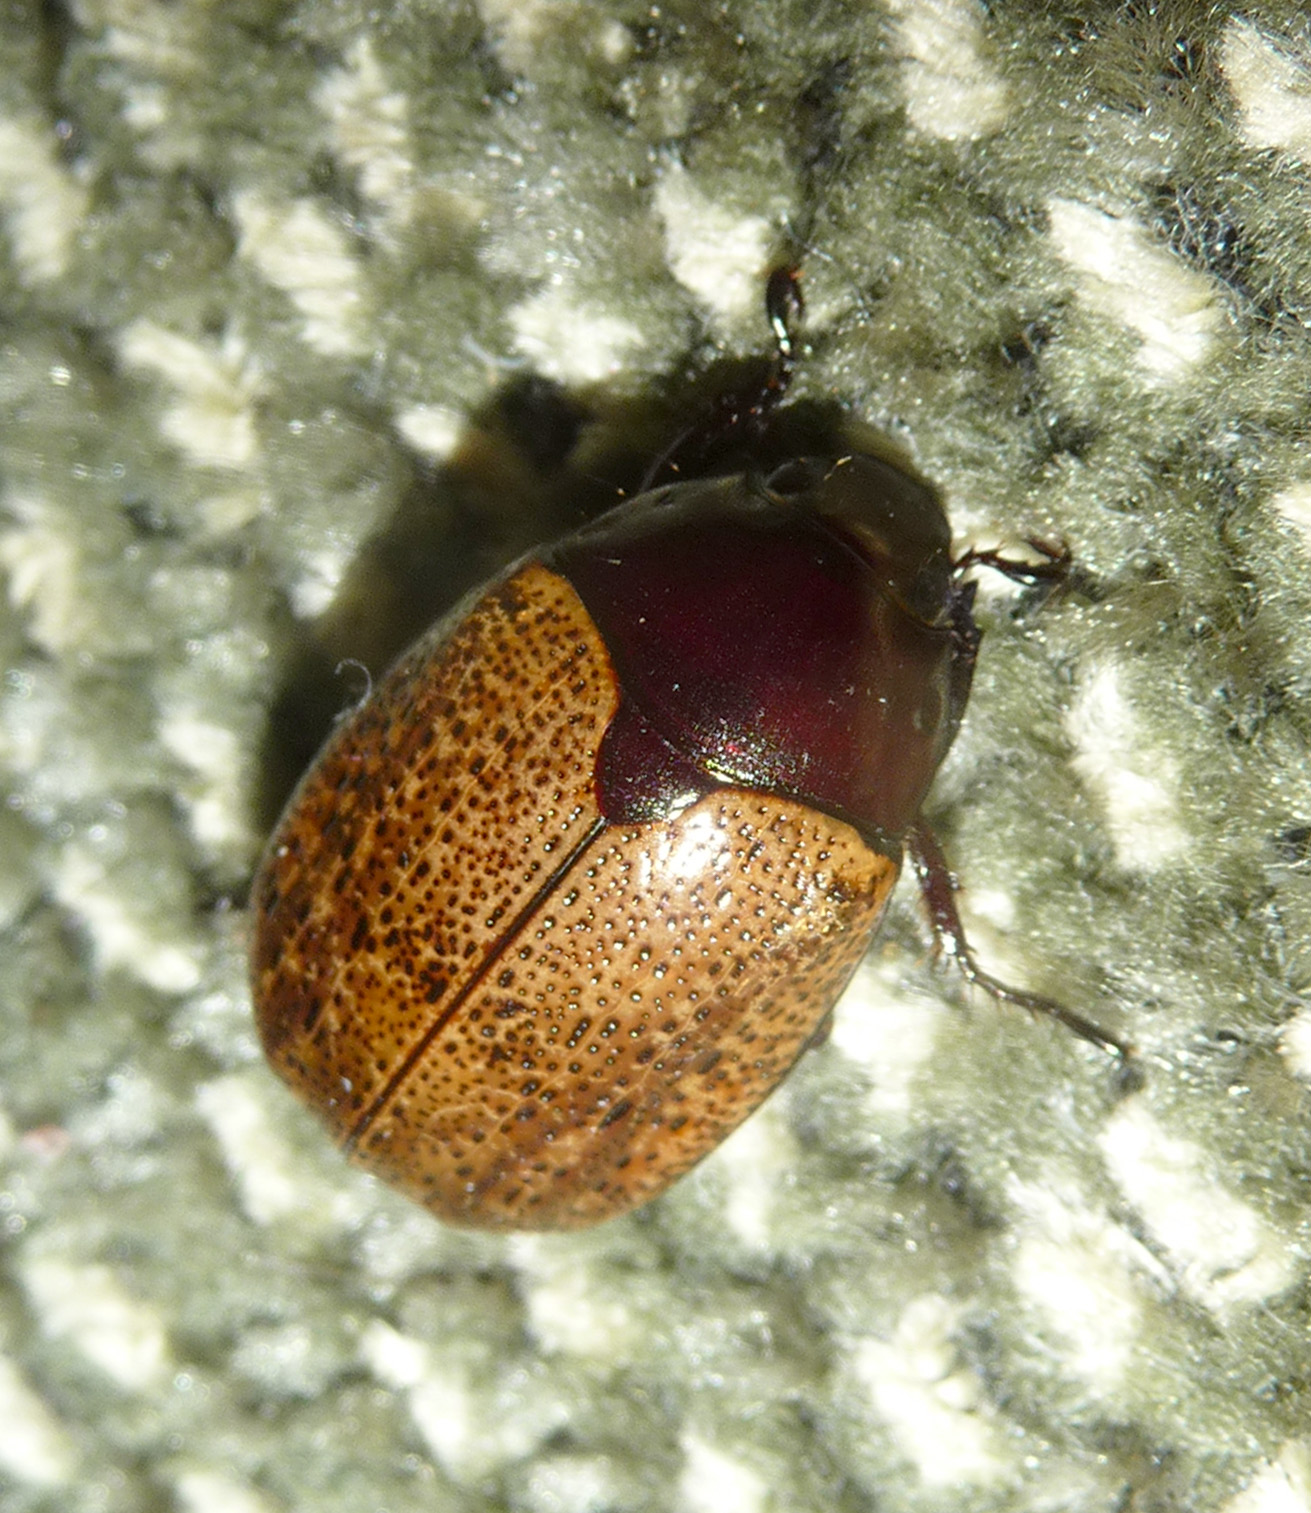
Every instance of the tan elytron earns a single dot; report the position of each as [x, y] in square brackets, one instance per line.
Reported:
[517, 1014]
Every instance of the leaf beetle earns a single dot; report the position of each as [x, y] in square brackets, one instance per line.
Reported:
[567, 896]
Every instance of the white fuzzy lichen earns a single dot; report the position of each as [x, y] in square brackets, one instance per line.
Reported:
[298, 249]
[1133, 779]
[567, 341]
[211, 417]
[716, 252]
[953, 93]
[43, 204]
[87, 1306]
[1126, 276]
[1224, 1253]
[1271, 81]
[931, 1403]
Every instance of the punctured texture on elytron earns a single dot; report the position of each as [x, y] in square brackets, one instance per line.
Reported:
[520, 1015]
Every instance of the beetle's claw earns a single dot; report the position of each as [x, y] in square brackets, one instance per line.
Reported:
[1037, 1004]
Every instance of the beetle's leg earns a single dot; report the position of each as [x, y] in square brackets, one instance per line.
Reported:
[1054, 567]
[785, 308]
[745, 411]
[938, 889]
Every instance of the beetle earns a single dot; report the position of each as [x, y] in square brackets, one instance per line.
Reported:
[568, 895]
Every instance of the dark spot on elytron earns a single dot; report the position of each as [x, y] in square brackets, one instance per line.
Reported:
[614, 1115]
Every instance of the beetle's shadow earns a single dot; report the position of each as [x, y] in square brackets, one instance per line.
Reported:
[537, 460]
